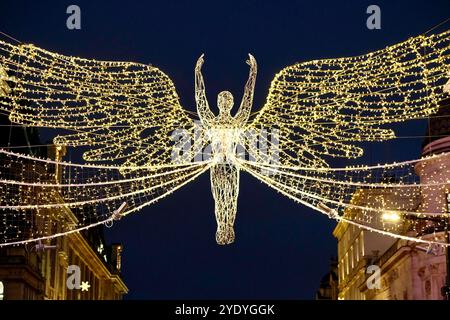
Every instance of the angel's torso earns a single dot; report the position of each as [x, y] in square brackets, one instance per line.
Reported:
[224, 133]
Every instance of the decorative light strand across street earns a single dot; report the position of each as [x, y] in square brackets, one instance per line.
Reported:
[125, 115]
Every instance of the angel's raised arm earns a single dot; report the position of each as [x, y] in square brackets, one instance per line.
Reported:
[203, 110]
[243, 113]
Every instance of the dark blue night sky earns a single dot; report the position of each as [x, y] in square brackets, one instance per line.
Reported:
[282, 249]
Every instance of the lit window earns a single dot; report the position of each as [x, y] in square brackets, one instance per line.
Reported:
[2, 288]
[361, 243]
[351, 257]
[357, 250]
[100, 248]
[346, 264]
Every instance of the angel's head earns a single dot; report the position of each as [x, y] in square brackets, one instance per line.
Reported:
[225, 102]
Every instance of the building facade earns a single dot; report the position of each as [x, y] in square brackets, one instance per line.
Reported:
[26, 272]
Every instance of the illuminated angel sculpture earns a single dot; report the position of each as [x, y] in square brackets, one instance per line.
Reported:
[124, 115]
[225, 132]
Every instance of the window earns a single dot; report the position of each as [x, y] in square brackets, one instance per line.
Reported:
[357, 250]
[347, 271]
[95, 287]
[52, 269]
[351, 257]
[361, 243]
[63, 280]
[2, 290]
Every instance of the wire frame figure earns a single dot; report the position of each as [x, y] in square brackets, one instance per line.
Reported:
[124, 114]
[224, 131]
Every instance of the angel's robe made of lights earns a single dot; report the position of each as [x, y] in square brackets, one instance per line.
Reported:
[124, 113]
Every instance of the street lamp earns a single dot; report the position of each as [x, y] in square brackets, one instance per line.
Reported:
[391, 216]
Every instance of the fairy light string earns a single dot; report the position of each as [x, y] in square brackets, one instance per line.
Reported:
[125, 115]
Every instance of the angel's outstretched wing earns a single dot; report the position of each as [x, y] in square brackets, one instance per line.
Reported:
[124, 111]
[323, 108]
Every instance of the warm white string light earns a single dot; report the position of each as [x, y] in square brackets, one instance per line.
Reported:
[127, 112]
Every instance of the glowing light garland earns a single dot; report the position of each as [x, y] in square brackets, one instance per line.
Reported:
[127, 112]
